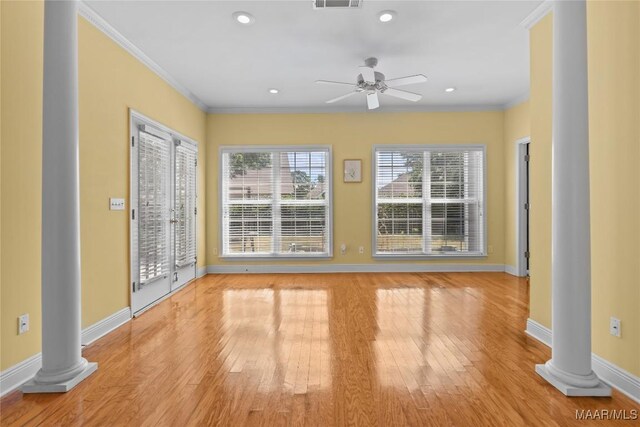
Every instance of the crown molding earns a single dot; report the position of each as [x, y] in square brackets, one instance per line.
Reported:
[516, 101]
[537, 14]
[337, 109]
[100, 23]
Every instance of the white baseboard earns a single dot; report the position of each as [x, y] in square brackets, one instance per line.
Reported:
[201, 272]
[510, 269]
[106, 325]
[623, 381]
[13, 377]
[353, 268]
[539, 332]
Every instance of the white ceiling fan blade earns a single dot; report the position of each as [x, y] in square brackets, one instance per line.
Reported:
[367, 74]
[372, 100]
[409, 96]
[409, 80]
[329, 82]
[331, 101]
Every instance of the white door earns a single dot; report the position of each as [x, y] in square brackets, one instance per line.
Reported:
[163, 212]
[184, 211]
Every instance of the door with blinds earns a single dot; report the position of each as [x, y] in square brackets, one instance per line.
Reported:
[184, 211]
[163, 212]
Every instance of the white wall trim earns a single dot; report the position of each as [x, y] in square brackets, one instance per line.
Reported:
[106, 325]
[353, 268]
[623, 381]
[537, 14]
[539, 332]
[13, 377]
[100, 23]
[363, 110]
[520, 212]
[510, 269]
[202, 271]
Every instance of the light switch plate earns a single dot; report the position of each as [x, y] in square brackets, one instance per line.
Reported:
[116, 204]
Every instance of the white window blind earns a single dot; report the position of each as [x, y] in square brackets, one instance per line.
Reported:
[429, 201]
[153, 201]
[185, 205]
[276, 202]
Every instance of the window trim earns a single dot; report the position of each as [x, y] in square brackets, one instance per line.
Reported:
[273, 149]
[422, 148]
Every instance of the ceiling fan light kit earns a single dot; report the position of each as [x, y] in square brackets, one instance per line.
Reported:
[373, 82]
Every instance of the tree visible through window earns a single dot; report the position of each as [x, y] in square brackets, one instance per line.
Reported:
[276, 202]
[429, 201]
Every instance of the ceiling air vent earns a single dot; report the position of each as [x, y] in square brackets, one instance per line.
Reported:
[336, 4]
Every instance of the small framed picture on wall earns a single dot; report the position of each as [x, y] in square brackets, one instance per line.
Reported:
[352, 170]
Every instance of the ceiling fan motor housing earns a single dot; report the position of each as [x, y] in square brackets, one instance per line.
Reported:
[378, 85]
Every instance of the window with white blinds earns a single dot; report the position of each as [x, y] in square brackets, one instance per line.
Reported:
[276, 202]
[185, 205]
[429, 201]
[153, 201]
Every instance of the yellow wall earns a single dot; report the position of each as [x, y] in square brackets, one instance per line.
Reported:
[110, 81]
[540, 43]
[614, 117]
[516, 126]
[352, 137]
[22, 29]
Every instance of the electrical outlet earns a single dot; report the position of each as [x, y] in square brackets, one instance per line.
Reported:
[490, 248]
[343, 248]
[361, 250]
[614, 327]
[23, 324]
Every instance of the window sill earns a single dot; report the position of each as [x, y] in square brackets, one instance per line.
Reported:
[430, 256]
[270, 257]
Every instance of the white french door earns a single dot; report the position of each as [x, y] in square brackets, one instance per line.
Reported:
[184, 211]
[163, 211]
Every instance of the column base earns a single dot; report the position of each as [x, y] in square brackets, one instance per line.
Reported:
[599, 390]
[62, 387]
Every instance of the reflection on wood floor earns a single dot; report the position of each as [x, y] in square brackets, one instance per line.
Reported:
[320, 349]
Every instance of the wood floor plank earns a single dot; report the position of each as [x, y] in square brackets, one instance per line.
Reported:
[379, 349]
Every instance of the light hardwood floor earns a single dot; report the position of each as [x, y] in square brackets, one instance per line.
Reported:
[321, 349]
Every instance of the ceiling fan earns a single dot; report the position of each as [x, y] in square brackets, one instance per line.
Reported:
[373, 82]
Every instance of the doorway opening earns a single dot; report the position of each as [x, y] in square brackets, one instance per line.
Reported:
[523, 206]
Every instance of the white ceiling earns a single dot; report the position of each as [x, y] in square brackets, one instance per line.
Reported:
[477, 46]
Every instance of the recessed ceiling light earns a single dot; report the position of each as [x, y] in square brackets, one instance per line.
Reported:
[274, 91]
[450, 89]
[244, 18]
[386, 15]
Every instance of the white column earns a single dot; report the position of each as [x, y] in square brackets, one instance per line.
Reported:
[569, 369]
[62, 363]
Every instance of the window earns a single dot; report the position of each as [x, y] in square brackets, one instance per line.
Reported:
[429, 201]
[276, 202]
